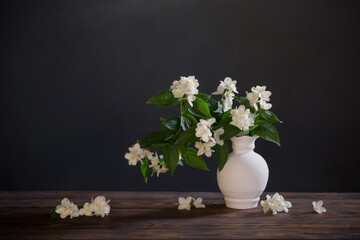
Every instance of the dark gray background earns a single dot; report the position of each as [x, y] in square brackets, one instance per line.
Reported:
[75, 76]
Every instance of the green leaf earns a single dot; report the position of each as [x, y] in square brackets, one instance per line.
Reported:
[182, 148]
[190, 158]
[80, 206]
[221, 155]
[200, 109]
[53, 214]
[267, 131]
[152, 138]
[253, 127]
[251, 130]
[214, 106]
[170, 125]
[145, 169]
[187, 136]
[226, 114]
[153, 172]
[229, 131]
[171, 157]
[244, 101]
[269, 116]
[164, 98]
[223, 122]
[187, 120]
[203, 96]
[158, 145]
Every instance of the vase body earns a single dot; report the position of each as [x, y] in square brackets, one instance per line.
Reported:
[244, 176]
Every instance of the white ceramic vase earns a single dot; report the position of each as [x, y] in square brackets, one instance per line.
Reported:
[244, 176]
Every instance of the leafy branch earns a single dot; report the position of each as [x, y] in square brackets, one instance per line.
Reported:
[179, 134]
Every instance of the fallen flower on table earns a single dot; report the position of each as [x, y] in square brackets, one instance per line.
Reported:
[275, 203]
[198, 203]
[86, 210]
[67, 208]
[318, 206]
[184, 203]
[98, 207]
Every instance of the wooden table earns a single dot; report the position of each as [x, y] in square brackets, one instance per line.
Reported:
[154, 215]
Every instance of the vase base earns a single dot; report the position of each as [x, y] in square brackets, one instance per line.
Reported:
[241, 203]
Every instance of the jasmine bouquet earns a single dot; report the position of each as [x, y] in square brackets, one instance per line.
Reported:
[204, 125]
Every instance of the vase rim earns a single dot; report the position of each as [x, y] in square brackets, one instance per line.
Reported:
[253, 137]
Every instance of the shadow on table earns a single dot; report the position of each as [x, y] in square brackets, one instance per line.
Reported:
[210, 210]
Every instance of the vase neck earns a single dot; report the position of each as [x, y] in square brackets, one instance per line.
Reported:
[244, 144]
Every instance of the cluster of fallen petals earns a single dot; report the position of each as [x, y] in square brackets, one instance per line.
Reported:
[98, 207]
[185, 203]
[276, 203]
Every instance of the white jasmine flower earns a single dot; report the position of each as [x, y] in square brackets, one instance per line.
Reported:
[198, 203]
[280, 204]
[148, 154]
[205, 148]
[227, 89]
[155, 162]
[249, 122]
[230, 84]
[136, 154]
[203, 129]
[228, 101]
[189, 84]
[86, 210]
[178, 93]
[133, 158]
[260, 92]
[220, 89]
[240, 111]
[208, 122]
[229, 95]
[217, 135]
[159, 167]
[186, 85]
[227, 104]
[275, 203]
[100, 206]
[190, 99]
[67, 208]
[318, 206]
[184, 203]
[265, 105]
[242, 118]
[162, 169]
[253, 99]
[177, 90]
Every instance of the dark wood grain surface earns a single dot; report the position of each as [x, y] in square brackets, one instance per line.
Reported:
[154, 215]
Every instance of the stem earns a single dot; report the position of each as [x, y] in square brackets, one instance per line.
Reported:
[168, 137]
[177, 133]
[181, 107]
